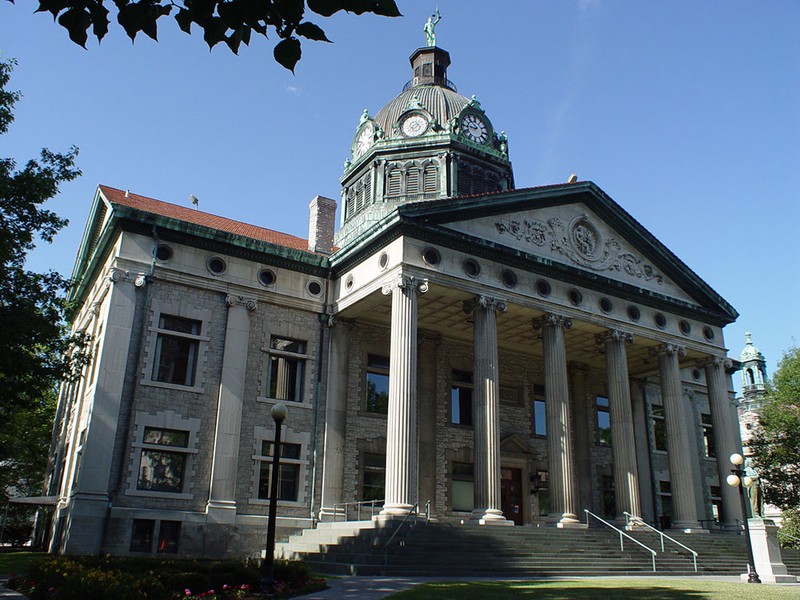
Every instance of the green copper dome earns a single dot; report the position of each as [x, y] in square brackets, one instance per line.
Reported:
[441, 102]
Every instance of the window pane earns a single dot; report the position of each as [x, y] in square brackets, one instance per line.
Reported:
[168, 534]
[286, 378]
[377, 393]
[287, 450]
[378, 362]
[463, 495]
[373, 476]
[603, 427]
[287, 345]
[142, 535]
[287, 484]
[161, 471]
[166, 437]
[660, 434]
[175, 360]
[539, 417]
[179, 324]
[461, 405]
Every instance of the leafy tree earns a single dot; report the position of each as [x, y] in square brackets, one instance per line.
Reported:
[36, 350]
[776, 443]
[230, 21]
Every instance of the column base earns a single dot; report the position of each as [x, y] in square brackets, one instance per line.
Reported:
[744, 577]
[692, 529]
[394, 510]
[489, 516]
[564, 521]
[221, 511]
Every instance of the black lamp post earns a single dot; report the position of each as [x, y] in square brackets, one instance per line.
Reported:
[738, 479]
[279, 413]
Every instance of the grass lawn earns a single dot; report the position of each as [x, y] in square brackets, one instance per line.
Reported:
[602, 589]
[17, 562]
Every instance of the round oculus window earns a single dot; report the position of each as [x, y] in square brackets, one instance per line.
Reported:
[314, 288]
[543, 287]
[708, 333]
[472, 267]
[163, 252]
[216, 265]
[383, 260]
[661, 320]
[605, 305]
[575, 297]
[509, 278]
[431, 256]
[685, 327]
[266, 277]
[634, 314]
[348, 283]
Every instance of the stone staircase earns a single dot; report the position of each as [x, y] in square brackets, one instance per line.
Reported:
[359, 548]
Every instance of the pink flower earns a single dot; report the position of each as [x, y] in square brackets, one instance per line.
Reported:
[187, 592]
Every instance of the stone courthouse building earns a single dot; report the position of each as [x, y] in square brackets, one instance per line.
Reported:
[512, 356]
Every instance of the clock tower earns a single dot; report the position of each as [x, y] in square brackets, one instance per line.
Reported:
[428, 143]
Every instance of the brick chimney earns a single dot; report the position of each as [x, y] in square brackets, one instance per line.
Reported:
[320, 224]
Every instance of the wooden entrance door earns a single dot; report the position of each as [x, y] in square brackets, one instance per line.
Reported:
[511, 494]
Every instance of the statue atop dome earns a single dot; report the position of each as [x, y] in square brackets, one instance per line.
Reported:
[429, 28]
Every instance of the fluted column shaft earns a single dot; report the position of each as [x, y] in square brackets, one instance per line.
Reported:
[559, 442]
[335, 418]
[684, 504]
[723, 419]
[623, 443]
[401, 426]
[485, 409]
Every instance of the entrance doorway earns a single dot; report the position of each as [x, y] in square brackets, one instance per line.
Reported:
[511, 494]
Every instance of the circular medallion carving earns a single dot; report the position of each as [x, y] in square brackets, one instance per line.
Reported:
[585, 238]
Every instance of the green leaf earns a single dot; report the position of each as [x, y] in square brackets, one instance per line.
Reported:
[311, 32]
[76, 22]
[326, 7]
[287, 53]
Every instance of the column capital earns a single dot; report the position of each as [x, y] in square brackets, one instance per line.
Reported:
[668, 349]
[715, 361]
[551, 320]
[405, 282]
[613, 335]
[333, 321]
[115, 275]
[497, 304]
[234, 300]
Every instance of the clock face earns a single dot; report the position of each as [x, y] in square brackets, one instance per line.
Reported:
[414, 125]
[475, 129]
[364, 141]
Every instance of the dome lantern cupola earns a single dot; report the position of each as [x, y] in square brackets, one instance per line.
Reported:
[427, 143]
[754, 373]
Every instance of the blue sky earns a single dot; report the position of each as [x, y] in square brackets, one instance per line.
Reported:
[686, 113]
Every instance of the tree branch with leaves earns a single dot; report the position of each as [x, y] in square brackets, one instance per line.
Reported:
[232, 22]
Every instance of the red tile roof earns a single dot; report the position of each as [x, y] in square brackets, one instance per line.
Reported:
[191, 215]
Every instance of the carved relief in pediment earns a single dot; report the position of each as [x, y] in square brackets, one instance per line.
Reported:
[580, 242]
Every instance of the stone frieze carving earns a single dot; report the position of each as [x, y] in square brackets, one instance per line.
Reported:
[581, 242]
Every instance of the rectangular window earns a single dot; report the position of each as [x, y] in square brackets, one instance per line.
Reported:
[463, 486]
[289, 481]
[708, 435]
[163, 461]
[603, 421]
[176, 350]
[142, 535]
[377, 384]
[659, 427]
[510, 396]
[716, 502]
[541, 489]
[539, 412]
[373, 476]
[608, 495]
[665, 499]
[287, 365]
[168, 534]
[461, 398]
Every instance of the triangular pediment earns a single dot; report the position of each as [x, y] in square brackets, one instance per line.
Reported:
[573, 235]
[576, 228]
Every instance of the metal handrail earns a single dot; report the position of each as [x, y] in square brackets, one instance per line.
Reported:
[621, 534]
[413, 512]
[638, 521]
[345, 507]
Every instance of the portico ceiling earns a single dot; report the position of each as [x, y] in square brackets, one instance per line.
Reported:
[441, 310]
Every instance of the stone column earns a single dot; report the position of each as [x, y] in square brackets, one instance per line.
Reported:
[723, 415]
[623, 443]
[559, 439]
[641, 433]
[684, 503]
[485, 411]
[578, 388]
[426, 388]
[222, 495]
[401, 433]
[335, 417]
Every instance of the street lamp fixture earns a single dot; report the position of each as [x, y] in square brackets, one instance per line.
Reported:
[279, 413]
[737, 478]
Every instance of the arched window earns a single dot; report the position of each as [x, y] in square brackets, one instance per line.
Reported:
[430, 180]
[412, 180]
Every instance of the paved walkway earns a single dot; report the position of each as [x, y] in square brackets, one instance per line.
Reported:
[375, 588]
